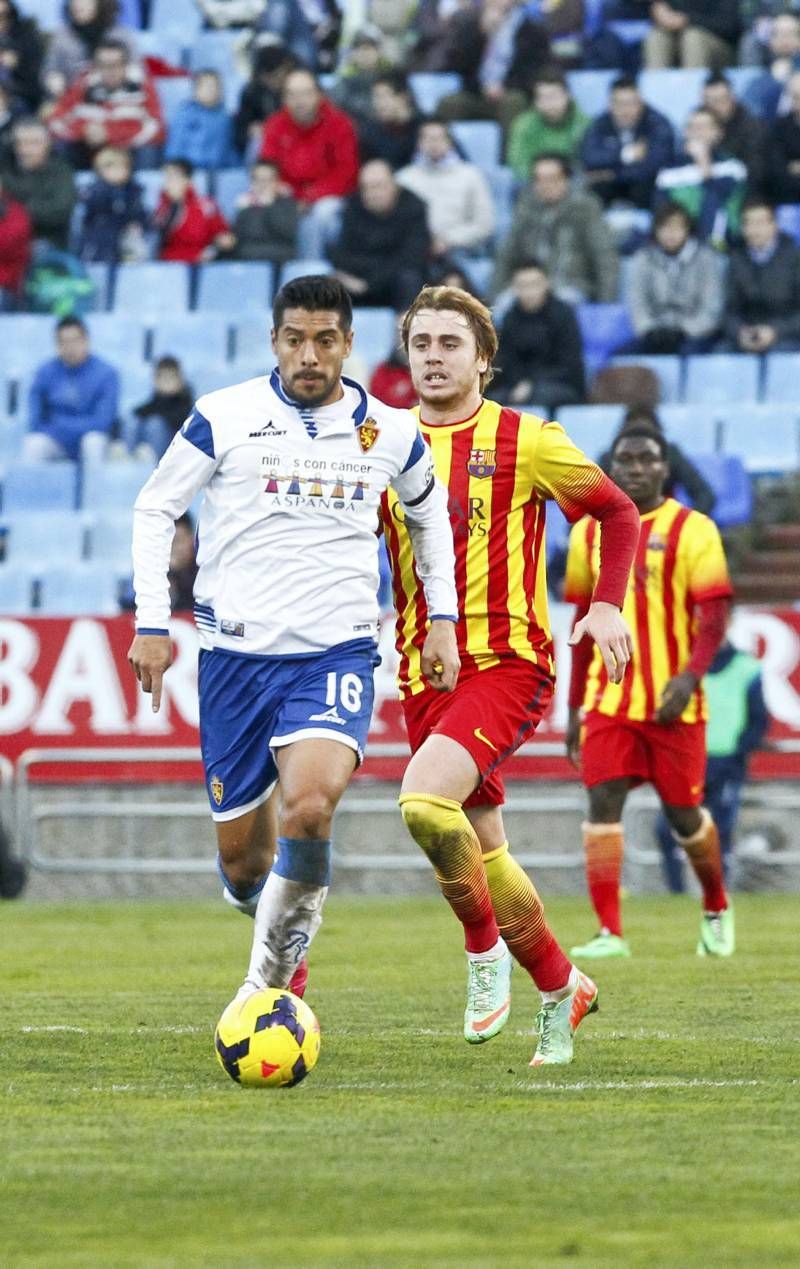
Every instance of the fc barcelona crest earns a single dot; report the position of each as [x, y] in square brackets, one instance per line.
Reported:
[481, 463]
[368, 434]
[217, 789]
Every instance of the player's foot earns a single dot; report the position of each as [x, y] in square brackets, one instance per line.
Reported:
[247, 906]
[299, 979]
[717, 937]
[604, 944]
[488, 997]
[557, 1022]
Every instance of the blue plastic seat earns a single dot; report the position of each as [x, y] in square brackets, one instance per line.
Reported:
[673, 92]
[590, 89]
[212, 375]
[135, 384]
[504, 185]
[152, 289]
[591, 427]
[715, 378]
[172, 91]
[375, 334]
[782, 377]
[229, 183]
[40, 487]
[235, 287]
[49, 14]
[37, 540]
[429, 87]
[251, 341]
[85, 590]
[604, 328]
[788, 218]
[299, 268]
[112, 486]
[179, 17]
[110, 541]
[557, 530]
[101, 277]
[16, 590]
[192, 337]
[667, 369]
[479, 270]
[117, 337]
[480, 140]
[12, 434]
[732, 488]
[216, 50]
[26, 340]
[694, 428]
[765, 437]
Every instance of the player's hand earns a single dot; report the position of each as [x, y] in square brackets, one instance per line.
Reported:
[440, 660]
[606, 625]
[676, 697]
[573, 737]
[150, 657]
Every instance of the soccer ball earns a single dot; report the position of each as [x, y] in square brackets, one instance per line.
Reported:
[267, 1040]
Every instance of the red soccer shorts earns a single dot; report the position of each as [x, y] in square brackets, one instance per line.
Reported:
[670, 756]
[490, 713]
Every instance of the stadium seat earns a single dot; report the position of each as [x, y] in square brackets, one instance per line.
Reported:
[112, 486]
[251, 340]
[694, 428]
[590, 89]
[604, 328]
[49, 14]
[714, 378]
[37, 540]
[591, 427]
[788, 218]
[673, 92]
[40, 487]
[27, 339]
[299, 268]
[480, 141]
[557, 528]
[210, 376]
[169, 48]
[16, 590]
[233, 287]
[741, 77]
[172, 91]
[504, 184]
[12, 431]
[732, 487]
[116, 337]
[110, 541]
[152, 289]
[181, 18]
[136, 384]
[781, 380]
[765, 437]
[86, 589]
[479, 270]
[100, 275]
[429, 87]
[667, 369]
[216, 50]
[229, 183]
[375, 335]
[191, 337]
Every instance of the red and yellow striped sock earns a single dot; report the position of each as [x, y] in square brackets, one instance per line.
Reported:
[705, 856]
[521, 920]
[441, 828]
[604, 845]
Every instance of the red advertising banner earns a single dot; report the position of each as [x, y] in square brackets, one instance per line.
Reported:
[66, 683]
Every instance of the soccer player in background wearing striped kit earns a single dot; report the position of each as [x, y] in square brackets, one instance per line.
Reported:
[499, 466]
[651, 727]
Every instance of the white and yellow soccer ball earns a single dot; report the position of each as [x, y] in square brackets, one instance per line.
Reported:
[268, 1040]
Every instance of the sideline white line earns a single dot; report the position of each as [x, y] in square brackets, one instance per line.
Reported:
[37, 1030]
[581, 1086]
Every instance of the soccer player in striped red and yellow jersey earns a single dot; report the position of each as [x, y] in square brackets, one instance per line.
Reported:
[499, 467]
[651, 727]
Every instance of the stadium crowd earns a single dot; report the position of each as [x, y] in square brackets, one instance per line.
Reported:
[621, 179]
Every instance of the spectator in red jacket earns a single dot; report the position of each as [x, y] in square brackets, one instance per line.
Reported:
[314, 146]
[190, 227]
[15, 249]
[112, 103]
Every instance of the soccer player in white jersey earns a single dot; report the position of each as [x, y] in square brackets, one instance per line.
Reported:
[293, 467]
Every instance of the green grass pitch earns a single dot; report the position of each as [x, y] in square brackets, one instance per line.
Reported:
[672, 1139]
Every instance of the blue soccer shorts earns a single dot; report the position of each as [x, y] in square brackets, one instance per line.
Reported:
[251, 705]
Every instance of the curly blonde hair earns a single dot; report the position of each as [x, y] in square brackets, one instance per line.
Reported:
[454, 299]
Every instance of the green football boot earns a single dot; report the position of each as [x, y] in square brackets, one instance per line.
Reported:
[717, 936]
[557, 1022]
[488, 998]
[602, 946]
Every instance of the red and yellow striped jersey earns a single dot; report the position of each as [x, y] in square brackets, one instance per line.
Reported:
[498, 466]
[679, 562]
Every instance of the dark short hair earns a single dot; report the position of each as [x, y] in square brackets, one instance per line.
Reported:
[168, 362]
[552, 156]
[71, 320]
[640, 413]
[626, 82]
[397, 81]
[716, 77]
[669, 209]
[531, 262]
[115, 45]
[648, 432]
[551, 75]
[756, 200]
[315, 292]
[183, 165]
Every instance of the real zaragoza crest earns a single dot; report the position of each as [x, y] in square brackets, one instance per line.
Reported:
[481, 462]
[217, 789]
[368, 434]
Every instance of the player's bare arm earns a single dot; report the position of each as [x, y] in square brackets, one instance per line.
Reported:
[150, 656]
[572, 738]
[676, 696]
[440, 660]
[605, 624]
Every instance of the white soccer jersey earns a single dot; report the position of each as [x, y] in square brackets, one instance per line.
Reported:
[287, 548]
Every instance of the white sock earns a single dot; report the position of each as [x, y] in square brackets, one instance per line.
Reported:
[247, 906]
[288, 916]
[553, 997]
[493, 954]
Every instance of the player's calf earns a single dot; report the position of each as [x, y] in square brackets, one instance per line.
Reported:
[289, 911]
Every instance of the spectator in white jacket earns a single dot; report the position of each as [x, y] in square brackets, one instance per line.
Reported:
[461, 214]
